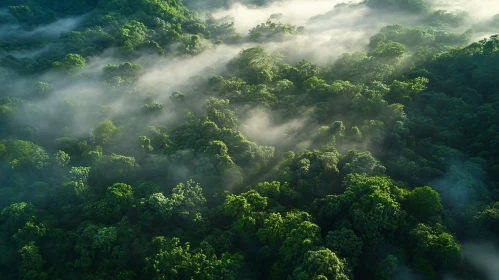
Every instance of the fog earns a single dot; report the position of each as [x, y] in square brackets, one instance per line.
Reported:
[295, 11]
[330, 30]
[484, 257]
[55, 29]
[478, 9]
[48, 31]
[326, 35]
[335, 27]
[168, 75]
[262, 127]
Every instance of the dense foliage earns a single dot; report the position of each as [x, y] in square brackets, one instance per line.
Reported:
[377, 165]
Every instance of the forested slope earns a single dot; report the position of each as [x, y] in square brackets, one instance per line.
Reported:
[153, 139]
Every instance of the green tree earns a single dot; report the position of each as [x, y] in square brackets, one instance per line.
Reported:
[119, 196]
[31, 264]
[321, 264]
[254, 65]
[173, 260]
[435, 250]
[61, 159]
[346, 244]
[305, 237]
[218, 111]
[24, 154]
[112, 168]
[188, 200]
[388, 267]
[372, 207]
[360, 162]
[404, 92]
[71, 63]
[424, 203]
[106, 132]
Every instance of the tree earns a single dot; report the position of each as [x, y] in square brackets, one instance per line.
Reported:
[42, 88]
[173, 260]
[24, 154]
[160, 204]
[434, 249]
[358, 67]
[372, 207]
[220, 151]
[112, 168]
[321, 264]
[31, 265]
[61, 159]
[105, 250]
[269, 189]
[360, 162]
[273, 31]
[71, 63]
[424, 203]
[106, 132]
[188, 200]
[127, 71]
[132, 35]
[388, 267]
[404, 92]
[119, 196]
[273, 229]
[389, 52]
[78, 184]
[245, 210]
[489, 218]
[305, 237]
[254, 65]
[346, 244]
[177, 97]
[218, 111]
[15, 216]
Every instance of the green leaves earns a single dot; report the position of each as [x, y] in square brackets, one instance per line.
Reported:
[106, 132]
[31, 264]
[273, 31]
[404, 92]
[235, 205]
[104, 239]
[302, 238]
[71, 63]
[435, 250]
[346, 244]
[119, 195]
[113, 168]
[424, 203]
[21, 154]
[60, 158]
[16, 215]
[188, 199]
[321, 264]
[361, 163]
[390, 52]
[254, 65]
[186, 204]
[245, 210]
[132, 35]
[218, 111]
[176, 261]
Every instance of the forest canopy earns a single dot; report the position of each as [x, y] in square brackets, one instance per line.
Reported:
[249, 139]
